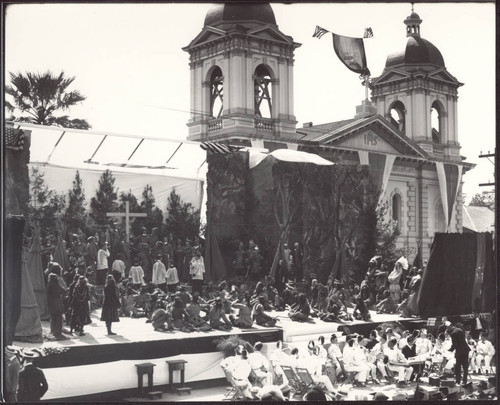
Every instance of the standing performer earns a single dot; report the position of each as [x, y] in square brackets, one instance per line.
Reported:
[394, 278]
[55, 293]
[102, 263]
[110, 304]
[196, 270]
[459, 344]
[80, 306]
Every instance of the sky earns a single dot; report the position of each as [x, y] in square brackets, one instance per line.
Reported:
[128, 62]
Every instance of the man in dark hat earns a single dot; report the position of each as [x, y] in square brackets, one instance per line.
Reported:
[32, 382]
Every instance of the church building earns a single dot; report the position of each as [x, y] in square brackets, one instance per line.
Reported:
[242, 93]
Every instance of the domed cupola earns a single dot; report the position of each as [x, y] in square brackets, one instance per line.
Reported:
[242, 77]
[418, 51]
[246, 14]
[418, 96]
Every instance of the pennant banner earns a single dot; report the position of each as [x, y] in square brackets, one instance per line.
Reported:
[450, 177]
[453, 178]
[351, 51]
[389, 162]
[442, 190]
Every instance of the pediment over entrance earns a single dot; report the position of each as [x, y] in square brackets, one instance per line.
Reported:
[373, 134]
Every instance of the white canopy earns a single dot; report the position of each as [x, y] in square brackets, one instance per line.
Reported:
[136, 161]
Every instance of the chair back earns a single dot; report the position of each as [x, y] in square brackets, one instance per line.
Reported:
[303, 374]
[289, 373]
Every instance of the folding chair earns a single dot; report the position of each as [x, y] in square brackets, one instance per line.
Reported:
[256, 380]
[235, 392]
[305, 377]
[298, 387]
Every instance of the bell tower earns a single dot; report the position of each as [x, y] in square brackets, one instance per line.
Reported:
[241, 77]
[419, 96]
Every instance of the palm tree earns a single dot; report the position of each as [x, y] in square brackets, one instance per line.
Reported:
[39, 96]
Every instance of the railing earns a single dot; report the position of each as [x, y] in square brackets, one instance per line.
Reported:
[264, 124]
[215, 125]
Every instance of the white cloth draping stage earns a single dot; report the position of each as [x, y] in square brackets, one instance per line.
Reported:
[287, 155]
[60, 179]
[66, 382]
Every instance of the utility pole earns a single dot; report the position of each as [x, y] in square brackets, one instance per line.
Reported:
[487, 156]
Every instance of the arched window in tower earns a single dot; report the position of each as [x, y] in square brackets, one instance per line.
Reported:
[263, 92]
[216, 92]
[436, 122]
[396, 210]
[397, 115]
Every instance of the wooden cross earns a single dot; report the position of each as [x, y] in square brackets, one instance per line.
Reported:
[127, 214]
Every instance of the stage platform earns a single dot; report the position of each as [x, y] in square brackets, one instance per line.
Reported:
[97, 363]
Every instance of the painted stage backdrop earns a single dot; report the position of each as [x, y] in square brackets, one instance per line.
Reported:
[331, 211]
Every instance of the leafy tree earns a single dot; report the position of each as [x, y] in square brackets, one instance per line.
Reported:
[104, 200]
[183, 220]
[39, 97]
[46, 207]
[75, 215]
[155, 214]
[483, 200]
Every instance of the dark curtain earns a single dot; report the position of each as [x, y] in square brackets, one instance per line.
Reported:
[450, 282]
[12, 275]
[215, 268]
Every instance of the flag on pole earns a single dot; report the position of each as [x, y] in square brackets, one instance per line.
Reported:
[368, 33]
[14, 138]
[351, 51]
[219, 148]
[319, 32]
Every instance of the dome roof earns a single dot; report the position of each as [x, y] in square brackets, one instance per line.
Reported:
[229, 13]
[418, 51]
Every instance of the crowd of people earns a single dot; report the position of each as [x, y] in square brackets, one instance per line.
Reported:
[165, 284]
[383, 357]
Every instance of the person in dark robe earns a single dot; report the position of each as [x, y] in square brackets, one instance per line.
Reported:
[80, 315]
[167, 251]
[179, 260]
[110, 304]
[91, 252]
[55, 294]
[297, 256]
[32, 382]
[255, 264]
[188, 254]
[239, 260]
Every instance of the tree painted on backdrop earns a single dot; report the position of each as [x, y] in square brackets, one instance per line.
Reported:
[39, 97]
[104, 200]
[75, 216]
[46, 207]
